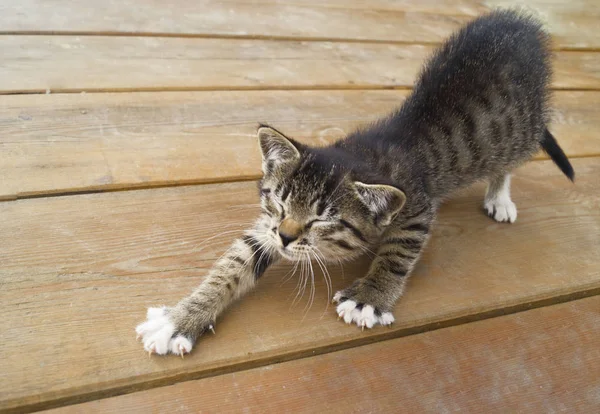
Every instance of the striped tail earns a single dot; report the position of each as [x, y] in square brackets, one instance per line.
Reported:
[555, 152]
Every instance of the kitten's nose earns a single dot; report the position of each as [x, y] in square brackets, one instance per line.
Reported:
[289, 230]
[285, 239]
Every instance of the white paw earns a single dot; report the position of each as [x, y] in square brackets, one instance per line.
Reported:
[365, 317]
[501, 210]
[157, 334]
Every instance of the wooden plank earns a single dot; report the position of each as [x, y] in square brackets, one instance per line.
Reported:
[78, 272]
[572, 23]
[543, 360]
[68, 143]
[225, 18]
[99, 63]
[565, 20]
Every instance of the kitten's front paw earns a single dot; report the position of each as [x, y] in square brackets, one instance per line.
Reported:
[160, 334]
[353, 308]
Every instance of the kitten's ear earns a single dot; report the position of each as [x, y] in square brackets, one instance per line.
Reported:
[277, 150]
[384, 201]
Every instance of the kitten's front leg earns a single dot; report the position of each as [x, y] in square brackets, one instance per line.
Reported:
[175, 329]
[370, 300]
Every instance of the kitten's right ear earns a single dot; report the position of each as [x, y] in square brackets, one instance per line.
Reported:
[276, 149]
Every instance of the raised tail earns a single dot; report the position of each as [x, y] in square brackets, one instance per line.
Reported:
[555, 152]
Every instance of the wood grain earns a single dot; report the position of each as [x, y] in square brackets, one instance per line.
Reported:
[232, 18]
[77, 273]
[69, 143]
[34, 64]
[70, 63]
[543, 360]
[573, 23]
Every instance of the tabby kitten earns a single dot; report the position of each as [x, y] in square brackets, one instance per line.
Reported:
[478, 110]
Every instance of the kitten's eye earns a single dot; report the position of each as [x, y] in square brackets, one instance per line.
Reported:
[310, 223]
[282, 209]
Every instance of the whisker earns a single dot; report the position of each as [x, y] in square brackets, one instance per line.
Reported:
[326, 274]
[337, 198]
[311, 297]
[264, 250]
[289, 274]
[256, 237]
[299, 284]
[334, 190]
[260, 245]
[302, 288]
[341, 264]
[244, 207]
[365, 249]
[305, 282]
[195, 249]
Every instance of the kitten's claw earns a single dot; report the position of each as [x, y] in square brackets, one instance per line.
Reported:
[212, 329]
[337, 297]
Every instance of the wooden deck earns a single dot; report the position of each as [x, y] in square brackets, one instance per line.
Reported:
[127, 148]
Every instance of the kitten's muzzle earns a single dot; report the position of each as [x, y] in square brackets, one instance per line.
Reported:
[289, 230]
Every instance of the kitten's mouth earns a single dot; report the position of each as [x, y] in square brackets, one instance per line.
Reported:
[286, 254]
[292, 256]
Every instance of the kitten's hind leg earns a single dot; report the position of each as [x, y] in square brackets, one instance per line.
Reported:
[497, 202]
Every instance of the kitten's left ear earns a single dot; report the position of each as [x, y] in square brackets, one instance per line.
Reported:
[384, 201]
[277, 150]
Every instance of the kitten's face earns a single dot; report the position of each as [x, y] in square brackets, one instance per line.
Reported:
[313, 207]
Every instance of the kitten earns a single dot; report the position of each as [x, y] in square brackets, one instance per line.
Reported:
[478, 110]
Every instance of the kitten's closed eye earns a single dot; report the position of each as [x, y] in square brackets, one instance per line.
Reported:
[310, 223]
[282, 210]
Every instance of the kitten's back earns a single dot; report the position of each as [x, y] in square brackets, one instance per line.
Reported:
[480, 105]
[504, 42]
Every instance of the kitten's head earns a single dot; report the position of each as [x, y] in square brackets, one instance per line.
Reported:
[315, 204]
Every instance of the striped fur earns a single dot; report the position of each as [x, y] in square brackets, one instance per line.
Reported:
[479, 109]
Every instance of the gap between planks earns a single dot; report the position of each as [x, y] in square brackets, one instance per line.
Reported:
[242, 89]
[285, 357]
[184, 183]
[272, 38]
[349, 87]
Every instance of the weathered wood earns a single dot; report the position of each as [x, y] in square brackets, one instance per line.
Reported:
[99, 63]
[220, 18]
[543, 360]
[572, 23]
[77, 273]
[67, 143]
